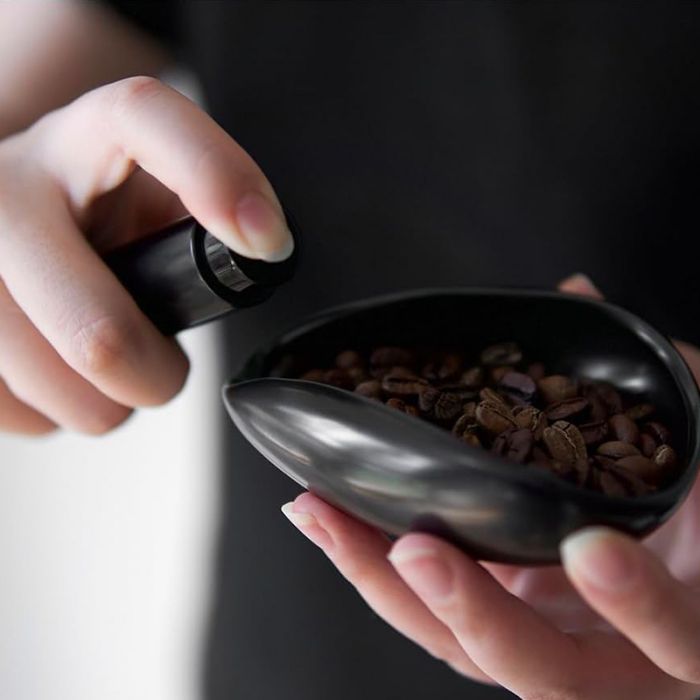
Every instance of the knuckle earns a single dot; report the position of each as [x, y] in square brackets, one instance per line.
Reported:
[99, 347]
[129, 93]
[101, 423]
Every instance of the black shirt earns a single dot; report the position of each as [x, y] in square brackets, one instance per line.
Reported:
[423, 144]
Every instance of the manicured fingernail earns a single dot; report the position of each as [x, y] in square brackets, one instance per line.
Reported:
[307, 524]
[594, 556]
[428, 576]
[263, 227]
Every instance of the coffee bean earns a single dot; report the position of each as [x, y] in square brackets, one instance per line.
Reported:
[665, 459]
[594, 433]
[441, 405]
[494, 417]
[658, 431]
[611, 485]
[623, 428]
[357, 375]
[338, 378]
[565, 443]
[501, 354]
[598, 409]
[617, 449]
[314, 375]
[492, 396]
[473, 378]
[464, 392]
[348, 359]
[390, 356]
[531, 418]
[469, 410]
[518, 385]
[398, 385]
[641, 411]
[610, 396]
[536, 371]
[568, 409]
[640, 466]
[372, 389]
[402, 406]
[557, 387]
[647, 444]
[497, 373]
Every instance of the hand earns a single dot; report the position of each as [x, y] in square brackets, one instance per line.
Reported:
[614, 622]
[124, 159]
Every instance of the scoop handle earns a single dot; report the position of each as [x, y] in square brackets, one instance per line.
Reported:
[182, 276]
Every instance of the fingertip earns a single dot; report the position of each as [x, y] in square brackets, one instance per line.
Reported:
[601, 558]
[581, 284]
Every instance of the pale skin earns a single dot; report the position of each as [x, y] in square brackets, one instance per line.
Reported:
[92, 157]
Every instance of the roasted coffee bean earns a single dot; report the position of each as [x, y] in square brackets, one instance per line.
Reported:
[598, 409]
[450, 367]
[397, 385]
[348, 359]
[665, 459]
[520, 443]
[372, 389]
[616, 449]
[540, 458]
[518, 385]
[402, 406]
[464, 392]
[338, 378]
[610, 396]
[633, 484]
[494, 417]
[501, 354]
[531, 418]
[557, 388]
[390, 356]
[442, 405]
[536, 371]
[647, 444]
[357, 375]
[641, 411]
[469, 410]
[658, 431]
[568, 409]
[623, 428]
[473, 378]
[497, 373]
[640, 466]
[565, 443]
[314, 375]
[594, 433]
[488, 394]
[611, 485]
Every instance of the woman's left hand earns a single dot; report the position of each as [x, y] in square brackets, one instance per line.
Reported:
[620, 618]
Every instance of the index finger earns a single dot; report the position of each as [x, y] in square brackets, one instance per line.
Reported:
[93, 145]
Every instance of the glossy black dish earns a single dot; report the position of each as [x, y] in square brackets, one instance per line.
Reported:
[400, 474]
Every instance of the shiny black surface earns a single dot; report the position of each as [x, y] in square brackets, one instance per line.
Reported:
[402, 474]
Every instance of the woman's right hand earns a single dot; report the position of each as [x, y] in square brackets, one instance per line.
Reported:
[122, 160]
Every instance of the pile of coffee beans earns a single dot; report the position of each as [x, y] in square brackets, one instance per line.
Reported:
[582, 430]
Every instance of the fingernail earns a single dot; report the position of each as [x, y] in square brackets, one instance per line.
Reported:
[595, 556]
[308, 525]
[424, 572]
[263, 227]
[582, 283]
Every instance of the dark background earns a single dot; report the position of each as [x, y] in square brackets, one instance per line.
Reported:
[419, 144]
